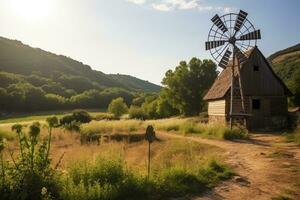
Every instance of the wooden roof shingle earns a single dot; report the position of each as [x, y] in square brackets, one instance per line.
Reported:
[223, 82]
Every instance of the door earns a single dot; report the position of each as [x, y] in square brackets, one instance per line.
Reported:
[257, 111]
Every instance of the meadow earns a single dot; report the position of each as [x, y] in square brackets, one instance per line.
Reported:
[116, 169]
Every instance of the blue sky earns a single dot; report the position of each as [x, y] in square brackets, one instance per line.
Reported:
[143, 38]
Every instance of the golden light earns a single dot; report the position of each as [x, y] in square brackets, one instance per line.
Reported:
[30, 9]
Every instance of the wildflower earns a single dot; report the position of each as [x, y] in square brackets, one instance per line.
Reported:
[44, 191]
[34, 129]
[17, 128]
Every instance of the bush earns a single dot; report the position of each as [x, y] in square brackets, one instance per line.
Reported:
[117, 107]
[80, 116]
[235, 133]
[136, 112]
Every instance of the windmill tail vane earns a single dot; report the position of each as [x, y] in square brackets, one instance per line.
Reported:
[229, 38]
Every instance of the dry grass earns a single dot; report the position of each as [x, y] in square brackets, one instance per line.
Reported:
[177, 125]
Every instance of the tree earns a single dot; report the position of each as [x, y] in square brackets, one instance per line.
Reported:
[118, 107]
[187, 84]
[295, 88]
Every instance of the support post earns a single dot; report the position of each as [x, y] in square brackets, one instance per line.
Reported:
[241, 92]
[232, 90]
[149, 154]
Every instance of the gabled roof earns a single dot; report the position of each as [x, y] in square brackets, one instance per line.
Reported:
[223, 82]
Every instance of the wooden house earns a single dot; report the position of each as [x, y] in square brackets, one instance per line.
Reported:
[265, 95]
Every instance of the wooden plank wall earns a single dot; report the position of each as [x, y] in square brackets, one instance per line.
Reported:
[262, 82]
[216, 107]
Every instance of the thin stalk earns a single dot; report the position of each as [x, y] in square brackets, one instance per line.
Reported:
[32, 152]
[49, 142]
[2, 167]
[149, 155]
[21, 146]
[12, 158]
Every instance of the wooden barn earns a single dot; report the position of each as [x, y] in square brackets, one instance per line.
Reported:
[265, 95]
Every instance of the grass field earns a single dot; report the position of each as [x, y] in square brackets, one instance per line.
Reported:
[114, 170]
[40, 116]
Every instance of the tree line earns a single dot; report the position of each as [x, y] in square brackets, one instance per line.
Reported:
[182, 93]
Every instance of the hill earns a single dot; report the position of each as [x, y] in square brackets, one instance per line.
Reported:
[286, 64]
[134, 82]
[18, 58]
[32, 79]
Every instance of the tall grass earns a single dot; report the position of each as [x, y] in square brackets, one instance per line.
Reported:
[7, 134]
[110, 178]
[177, 125]
[110, 127]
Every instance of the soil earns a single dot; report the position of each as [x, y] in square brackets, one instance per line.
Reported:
[266, 166]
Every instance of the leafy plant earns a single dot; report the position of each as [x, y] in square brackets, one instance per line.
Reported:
[117, 107]
[30, 175]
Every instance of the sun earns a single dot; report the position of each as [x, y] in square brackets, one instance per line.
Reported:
[30, 9]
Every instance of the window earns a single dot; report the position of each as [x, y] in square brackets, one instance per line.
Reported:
[256, 68]
[255, 104]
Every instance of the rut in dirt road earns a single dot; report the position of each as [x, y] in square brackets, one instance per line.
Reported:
[266, 167]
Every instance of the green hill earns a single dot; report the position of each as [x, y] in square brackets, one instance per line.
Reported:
[22, 59]
[286, 64]
[32, 79]
[134, 82]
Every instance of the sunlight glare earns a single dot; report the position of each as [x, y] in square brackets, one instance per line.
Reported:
[30, 9]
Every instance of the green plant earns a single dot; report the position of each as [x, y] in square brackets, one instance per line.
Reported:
[136, 112]
[117, 107]
[30, 175]
[80, 116]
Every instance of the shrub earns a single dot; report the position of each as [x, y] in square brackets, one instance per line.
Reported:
[136, 112]
[117, 107]
[80, 116]
[235, 133]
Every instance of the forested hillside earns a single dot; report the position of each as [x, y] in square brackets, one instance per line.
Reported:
[286, 64]
[134, 82]
[32, 79]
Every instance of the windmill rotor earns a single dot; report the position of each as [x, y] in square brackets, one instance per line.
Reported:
[228, 32]
[230, 38]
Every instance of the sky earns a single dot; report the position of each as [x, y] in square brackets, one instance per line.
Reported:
[142, 38]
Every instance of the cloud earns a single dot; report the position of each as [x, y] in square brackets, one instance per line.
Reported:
[161, 7]
[138, 2]
[169, 5]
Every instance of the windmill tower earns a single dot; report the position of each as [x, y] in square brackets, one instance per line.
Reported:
[229, 38]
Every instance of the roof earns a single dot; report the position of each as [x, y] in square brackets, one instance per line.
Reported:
[223, 82]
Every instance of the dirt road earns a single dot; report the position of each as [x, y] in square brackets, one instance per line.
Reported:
[267, 168]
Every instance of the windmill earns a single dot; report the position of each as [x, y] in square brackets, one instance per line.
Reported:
[229, 38]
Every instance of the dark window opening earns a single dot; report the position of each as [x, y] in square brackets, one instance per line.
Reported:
[255, 68]
[255, 104]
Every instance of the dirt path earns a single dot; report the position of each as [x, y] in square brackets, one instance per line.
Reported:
[267, 168]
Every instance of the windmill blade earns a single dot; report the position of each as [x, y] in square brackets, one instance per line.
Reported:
[224, 61]
[240, 20]
[219, 23]
[240, 55]
[254, 35]
[214, 44]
